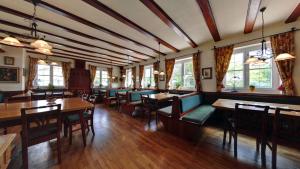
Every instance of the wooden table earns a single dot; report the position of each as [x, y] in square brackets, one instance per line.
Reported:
[10, 113]
[6, 148]
[23, 95]
[161, 96]
[230, 104]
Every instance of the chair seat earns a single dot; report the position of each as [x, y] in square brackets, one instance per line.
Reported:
[39, 132]
[111, 98]
[135, 103]
[166, 111]
[199, 115]
[75, 117]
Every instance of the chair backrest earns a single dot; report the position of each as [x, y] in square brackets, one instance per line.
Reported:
[136, 95]
[40, 118]
[112, 92]
[92, 99]
[255, 116]
[85, 96]
[190, 102]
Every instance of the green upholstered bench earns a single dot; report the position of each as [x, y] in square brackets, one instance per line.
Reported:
[166, 111]
[199, 115]
[111, 95]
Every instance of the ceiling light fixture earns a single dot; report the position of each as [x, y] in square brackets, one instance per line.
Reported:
[265, 53]
[158, 62]
[11, 41]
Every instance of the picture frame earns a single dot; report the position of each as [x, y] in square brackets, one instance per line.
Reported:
[9, 60]
[9, 74]
[161, 77]
[207, 73]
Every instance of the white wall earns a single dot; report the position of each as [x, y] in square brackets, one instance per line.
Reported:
[19, 55]
[207, 54]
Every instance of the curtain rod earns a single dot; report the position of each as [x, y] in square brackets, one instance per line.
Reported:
[241, 42]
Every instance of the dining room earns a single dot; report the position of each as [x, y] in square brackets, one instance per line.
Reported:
[149, 84]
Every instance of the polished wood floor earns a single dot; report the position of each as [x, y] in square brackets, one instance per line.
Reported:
[123, 142]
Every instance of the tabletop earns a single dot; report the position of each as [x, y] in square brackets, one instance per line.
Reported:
[10, 111]
[161, 96]
[230, 104]
[29, 95]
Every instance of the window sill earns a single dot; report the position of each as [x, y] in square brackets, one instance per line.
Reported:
[257, 91]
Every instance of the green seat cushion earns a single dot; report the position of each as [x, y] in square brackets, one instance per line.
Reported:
[136, 96]
[166, 111]
[199, 115]
[75, 117]
[190, 102]
[135, 103]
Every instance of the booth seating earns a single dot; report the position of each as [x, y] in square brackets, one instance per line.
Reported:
[134, 100]
[111, 95]
[187, 115]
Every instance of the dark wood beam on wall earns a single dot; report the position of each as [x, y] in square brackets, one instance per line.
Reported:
[253, 9]
[209, 18]
[26, 16]
[100, 6]
[71, 57]
[83, 21]
[158, 11]
[68, 46]
[61, 37]
[294, 15]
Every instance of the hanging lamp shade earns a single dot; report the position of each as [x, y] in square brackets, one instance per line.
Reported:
[11, 41]
[44, 51]
[284, 56]
[41, 44]
[156, 72]
[42, 62]
[251, 60]
[162, 73]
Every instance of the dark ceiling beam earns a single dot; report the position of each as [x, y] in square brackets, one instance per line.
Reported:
[61, 44]
[89, 23]
[101, 7]
[158, 11]
[58, 36]
[294, 15]
[71, 57]
[209, 18]
[26, 16]
[253, 9]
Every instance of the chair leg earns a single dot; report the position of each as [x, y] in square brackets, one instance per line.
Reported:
[224, 137]
[82, 125]
[65, 129]
[92, 126]
[257, 144]
[70, 134]
[156, 118]
[274, 156]
[5, 131]
[24, 155]
[263, 154]
[230, 137]
[58, 148]
[235, 144]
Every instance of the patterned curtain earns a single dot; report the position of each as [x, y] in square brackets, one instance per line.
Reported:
[93, 70]
[133, 70]
[285, 43]
[66, 69]
[169, 66]
[109, 71]
[32, 72]
[197, 70]
[156, 67]
[222, 59]
[141, 74]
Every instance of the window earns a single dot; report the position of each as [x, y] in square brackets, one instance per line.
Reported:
[49, 74]
[128, 79]
[148, 78]
[101, 78]
[183, 76]
[240, 76]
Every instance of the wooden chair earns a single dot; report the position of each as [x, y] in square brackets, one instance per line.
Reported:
[88, 116]
[149, 107]
[259, 126]
[121, 99]
[40, 124]
[85, 96]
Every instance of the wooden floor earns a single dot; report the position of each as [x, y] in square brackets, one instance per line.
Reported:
[127, 143]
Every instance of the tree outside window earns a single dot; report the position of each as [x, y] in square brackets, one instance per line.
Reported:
[49, 74]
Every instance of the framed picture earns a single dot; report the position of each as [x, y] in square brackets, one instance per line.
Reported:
[162, 77]
[9, 74]
[9, 60]
[207, 73]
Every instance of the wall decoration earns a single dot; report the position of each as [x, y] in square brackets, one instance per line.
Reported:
[162, 77]
[9, 74]
[9, 60]
[207, 73]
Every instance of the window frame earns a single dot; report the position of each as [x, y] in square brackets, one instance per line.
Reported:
[51, 76]
[183, 61]
[151, 76]
[100, 70]
[246, 71]
[128, 78]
